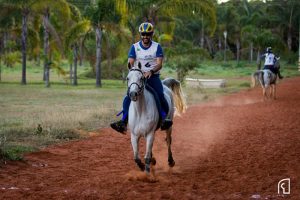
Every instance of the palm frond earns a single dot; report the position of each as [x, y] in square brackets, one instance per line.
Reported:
[76, 32]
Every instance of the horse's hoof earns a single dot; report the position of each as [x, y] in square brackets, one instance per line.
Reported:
[140, 164]
[153, 161]
[171, 163]
[147, 170]
[142, 167]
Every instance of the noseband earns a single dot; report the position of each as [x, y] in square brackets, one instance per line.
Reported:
[141, 88]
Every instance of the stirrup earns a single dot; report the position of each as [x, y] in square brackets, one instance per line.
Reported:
[166, 124]
[119, 126]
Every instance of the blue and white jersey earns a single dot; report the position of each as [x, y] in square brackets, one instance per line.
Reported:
[270, 59]
[146, 56]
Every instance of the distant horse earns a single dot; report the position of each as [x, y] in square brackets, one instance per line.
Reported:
[267, 80]
[143, 118]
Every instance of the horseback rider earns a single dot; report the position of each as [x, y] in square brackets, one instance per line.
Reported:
[270, 60]
[150, 55]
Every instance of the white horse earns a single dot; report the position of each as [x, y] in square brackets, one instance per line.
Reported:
[267, 79]
[144, 117]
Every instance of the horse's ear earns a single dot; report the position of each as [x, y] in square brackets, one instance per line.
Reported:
[140, 65]
[129, 65]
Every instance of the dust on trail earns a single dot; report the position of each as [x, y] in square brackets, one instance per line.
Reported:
[236, 147]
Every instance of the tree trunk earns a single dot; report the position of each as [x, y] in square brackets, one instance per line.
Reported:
[219, 43]
[46, 49]
[299, 47]
[289, 39]
[71, 73]
[5, 40]
[0, 69]
[209, 45]
[75, 59]
[109, 57]
[98, 56]
[202, 33]
[38, 60]
[24, 39]
[238, 50]
[251, 52]
[289, 36]
[258, 60]
[81, 53]
[1, 49]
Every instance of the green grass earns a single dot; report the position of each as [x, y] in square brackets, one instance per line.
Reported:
[33, 116]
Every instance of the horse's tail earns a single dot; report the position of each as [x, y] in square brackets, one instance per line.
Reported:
[257, 76]
[178, 96]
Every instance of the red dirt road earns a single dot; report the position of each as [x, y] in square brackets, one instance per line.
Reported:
[237, 147]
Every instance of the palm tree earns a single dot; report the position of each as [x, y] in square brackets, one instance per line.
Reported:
[284, 17]
[157, 11]
[73, 39]
[24, 7]
[100, 19]
[45, 8]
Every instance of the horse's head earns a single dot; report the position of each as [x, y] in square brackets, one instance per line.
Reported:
[135, 82]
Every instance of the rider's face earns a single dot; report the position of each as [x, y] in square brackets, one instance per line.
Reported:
[146, 38]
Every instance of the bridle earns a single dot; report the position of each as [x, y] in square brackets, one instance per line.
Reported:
[140, 87]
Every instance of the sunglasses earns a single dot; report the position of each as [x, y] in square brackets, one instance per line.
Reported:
[146, 34]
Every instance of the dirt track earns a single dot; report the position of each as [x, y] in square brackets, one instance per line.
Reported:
[232, 148]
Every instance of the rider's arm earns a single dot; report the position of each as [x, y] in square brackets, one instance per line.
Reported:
[131, 55]
[262, 56]
[131, 61]
[159, 59]
[158, 65]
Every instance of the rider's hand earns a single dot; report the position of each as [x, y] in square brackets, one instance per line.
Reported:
[148, 74]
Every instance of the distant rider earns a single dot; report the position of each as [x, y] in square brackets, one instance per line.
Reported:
[270, 60]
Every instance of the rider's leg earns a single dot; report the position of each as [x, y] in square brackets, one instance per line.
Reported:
[121, 125]
[278, 72]
[156, 84]
[279, 75]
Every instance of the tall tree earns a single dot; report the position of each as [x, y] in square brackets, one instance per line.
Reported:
[73, 39]
[61, 9]
[100, 19]
[157, 11]
[284, 17]
[24, 7]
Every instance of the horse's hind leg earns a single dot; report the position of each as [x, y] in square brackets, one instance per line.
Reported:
[274, 91]
[135, 146]
[169, 142]
[153, 160]
[265, 95]
[148, 154]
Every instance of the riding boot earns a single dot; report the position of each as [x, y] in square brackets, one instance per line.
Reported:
[120, 126]
[165, 123]
[279, 75]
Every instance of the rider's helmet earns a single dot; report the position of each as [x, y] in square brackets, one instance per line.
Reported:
[146, 28]
[269, 50]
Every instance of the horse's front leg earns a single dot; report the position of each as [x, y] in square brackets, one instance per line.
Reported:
[148, 154]
[169, 142]
[135, 146]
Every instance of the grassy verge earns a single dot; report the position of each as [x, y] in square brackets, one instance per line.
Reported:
[33, 117]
